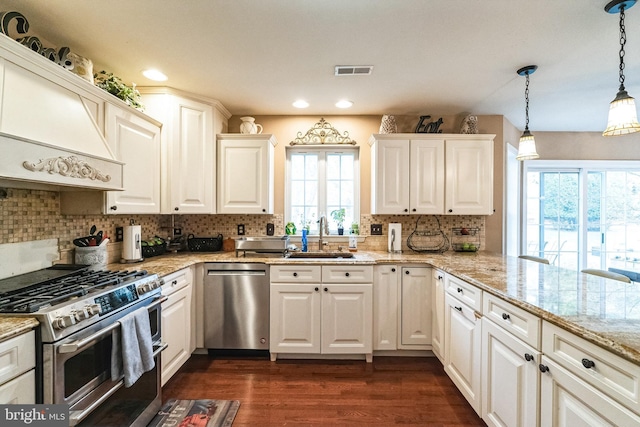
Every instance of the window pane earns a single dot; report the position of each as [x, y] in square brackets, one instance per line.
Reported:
[346, 166]
[297, 166]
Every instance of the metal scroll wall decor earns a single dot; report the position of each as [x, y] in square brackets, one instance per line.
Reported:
[322, 133]
[71, 167]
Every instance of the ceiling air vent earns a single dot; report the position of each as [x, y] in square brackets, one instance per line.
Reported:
[353, 70]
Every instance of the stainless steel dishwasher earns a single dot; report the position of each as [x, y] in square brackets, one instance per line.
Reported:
[236, 306]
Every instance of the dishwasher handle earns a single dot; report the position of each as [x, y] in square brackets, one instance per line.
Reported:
[236, 273]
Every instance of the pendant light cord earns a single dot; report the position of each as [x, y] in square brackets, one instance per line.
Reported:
[623, 41]
[526, 110]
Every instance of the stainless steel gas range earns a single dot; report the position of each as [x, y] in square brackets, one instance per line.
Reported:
[79, 309]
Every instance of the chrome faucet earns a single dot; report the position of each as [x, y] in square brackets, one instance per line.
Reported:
[324, 227]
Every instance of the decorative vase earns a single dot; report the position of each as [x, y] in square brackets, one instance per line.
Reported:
[388, 124]
[248, 126]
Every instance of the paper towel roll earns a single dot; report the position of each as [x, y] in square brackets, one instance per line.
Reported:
[395, 237]
[131, 249]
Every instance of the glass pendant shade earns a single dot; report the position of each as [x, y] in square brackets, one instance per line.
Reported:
[623, 118]
[527, 147]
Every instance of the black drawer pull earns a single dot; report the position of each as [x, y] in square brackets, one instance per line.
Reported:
[439, 277]
[588, 363]
[458, 308]
[543, 368]
[459, 290]
[528, 357]
[505, 316]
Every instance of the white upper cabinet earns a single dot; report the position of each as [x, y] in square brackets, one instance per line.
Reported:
[136, 142]
[245, 173]
[432, 174]
[188, 149]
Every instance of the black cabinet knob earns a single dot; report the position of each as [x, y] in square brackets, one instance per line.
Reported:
[264, 210]
[295, 274]
[414, 209]
[450, 210]
[114, 208]
[528, 357]
[505, 316]
[588, 363]
[406, 210]
[326, 289]
[458, 308]
[406, 272]
[346, 274]
[317, 289]
[176, 209]
[393, 270]
[543, 368]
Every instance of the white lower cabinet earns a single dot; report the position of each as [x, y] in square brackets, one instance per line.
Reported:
[178, 318]
[568, 401]
[385, 307]
[509, 379]
[319, 317]
[462, 333]
[415, 308]
[17, 374]
[437, 315]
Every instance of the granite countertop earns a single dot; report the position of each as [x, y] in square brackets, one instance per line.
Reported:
[605, 312]
[12, 326]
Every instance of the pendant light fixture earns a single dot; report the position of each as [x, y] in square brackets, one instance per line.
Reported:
[527, 145]
[623, 118]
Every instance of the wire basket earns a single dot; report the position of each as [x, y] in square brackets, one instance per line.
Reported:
[204, 244]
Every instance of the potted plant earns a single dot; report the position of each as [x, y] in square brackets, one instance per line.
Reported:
[338, 217]
[115, 86]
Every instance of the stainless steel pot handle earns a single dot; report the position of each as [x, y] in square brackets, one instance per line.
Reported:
[76, 416]
[73, 346]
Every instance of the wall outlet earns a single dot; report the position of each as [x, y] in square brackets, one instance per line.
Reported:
[119, 234]
[376, 229]
[177, 231]
[240, 229]
[270, 229]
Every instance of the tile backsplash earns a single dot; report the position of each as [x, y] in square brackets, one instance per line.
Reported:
[27, 215]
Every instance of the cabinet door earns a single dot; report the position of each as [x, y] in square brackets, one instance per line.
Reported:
[462, 330]
[136, 142]
[295, 318]
[390, 177]
[245, 175]
[192, 161]
[509, 380]
[567, 401]
[437, 315]
[385, 307]
[415, 314]
[176, 332]
[347, 315]
[427, 177]
[469, 176]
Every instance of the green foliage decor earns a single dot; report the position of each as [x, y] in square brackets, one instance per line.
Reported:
[115, 86]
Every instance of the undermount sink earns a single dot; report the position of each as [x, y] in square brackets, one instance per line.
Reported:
[320, 255]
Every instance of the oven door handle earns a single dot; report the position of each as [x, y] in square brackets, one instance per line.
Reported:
[74, 346]
[75, 417]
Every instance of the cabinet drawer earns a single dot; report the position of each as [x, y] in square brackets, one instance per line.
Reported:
[518, 322]
[175, 281]
[611, 374]
[347, 274]
[17, 355]
[464, 291]
[295, 273]
[19, 391]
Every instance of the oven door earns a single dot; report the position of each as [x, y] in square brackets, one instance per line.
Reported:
[78, 372]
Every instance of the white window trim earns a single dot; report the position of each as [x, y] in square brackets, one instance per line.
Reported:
[326, 149]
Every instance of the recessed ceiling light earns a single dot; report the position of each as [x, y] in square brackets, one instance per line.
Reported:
[344, 104]
[155, 75]
[301, 103]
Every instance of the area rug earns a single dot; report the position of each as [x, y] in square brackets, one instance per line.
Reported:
[196, 413]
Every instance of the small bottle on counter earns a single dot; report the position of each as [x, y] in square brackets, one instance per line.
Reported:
[353, 242]
[304, 240]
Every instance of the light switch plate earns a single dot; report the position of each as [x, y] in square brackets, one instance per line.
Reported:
[240, 229]
[376, 229]
[119, 234]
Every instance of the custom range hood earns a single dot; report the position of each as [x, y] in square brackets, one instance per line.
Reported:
[49, 132]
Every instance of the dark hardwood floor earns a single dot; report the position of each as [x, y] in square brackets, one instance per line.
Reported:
[390, 391]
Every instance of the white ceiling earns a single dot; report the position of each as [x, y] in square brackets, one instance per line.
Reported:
[437, 57]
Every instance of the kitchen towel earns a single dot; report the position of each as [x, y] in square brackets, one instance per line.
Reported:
[132, 349]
